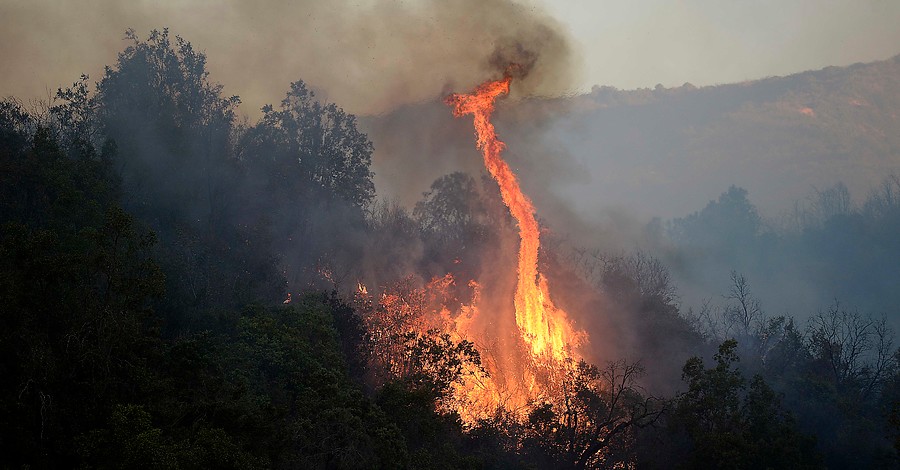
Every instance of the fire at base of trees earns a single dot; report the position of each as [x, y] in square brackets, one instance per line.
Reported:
[148, 240]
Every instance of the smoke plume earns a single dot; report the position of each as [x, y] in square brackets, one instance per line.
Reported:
[369, 56]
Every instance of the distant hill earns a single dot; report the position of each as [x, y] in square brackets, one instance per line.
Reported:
[667, 151]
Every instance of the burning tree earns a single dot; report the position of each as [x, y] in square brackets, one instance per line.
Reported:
[592, 424]
[407, 341]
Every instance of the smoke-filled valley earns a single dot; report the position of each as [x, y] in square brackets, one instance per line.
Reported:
[689, 277]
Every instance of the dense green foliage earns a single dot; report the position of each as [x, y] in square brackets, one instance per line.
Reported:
[728, 425]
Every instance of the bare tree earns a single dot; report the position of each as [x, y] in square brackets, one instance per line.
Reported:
[708, 320]
[744, 311]
[832, 202]
[741, 317]
[592, 424]
[857, 350]
[884, 199]
[646, 275]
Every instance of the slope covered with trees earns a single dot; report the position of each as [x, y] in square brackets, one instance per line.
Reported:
[149, 240]
[665, 151]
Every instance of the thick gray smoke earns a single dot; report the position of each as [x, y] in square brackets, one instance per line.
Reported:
[369, 56]
[378, 57]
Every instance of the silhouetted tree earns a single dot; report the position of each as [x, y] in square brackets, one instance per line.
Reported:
[725, 424]
[172, 127]
[314, 143]
[593, 424]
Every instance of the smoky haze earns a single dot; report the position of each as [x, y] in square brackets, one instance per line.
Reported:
[250, 211]
[369, 56]
[597, 166]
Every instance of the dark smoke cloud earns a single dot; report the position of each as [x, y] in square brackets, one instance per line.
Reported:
[367, 56]
[387, 58]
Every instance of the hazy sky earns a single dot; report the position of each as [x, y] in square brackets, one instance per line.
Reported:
[256, 48]
[630, 44]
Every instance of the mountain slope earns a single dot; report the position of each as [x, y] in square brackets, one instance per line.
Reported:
[667, 151]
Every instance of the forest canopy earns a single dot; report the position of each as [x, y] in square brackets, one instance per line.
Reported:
[181, 289]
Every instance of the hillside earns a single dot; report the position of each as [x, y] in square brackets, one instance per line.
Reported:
[182, 289]
[666, 151]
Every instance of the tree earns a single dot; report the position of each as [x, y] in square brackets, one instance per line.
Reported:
[293, 359]
[640, 286]
[172, 127]
[452, 211]
[725, 235]
[855, 352]
[314, 143]
[884, 202]
[593, 423]
[744, 311]
[395, 240]
[720, 423]
[76, 280]
[403, 347]
[722, 224]
[308, 177]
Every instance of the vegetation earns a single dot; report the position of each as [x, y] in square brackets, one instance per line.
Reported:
[147, 242]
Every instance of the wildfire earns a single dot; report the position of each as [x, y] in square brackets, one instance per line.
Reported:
[515, 370]
[543, 326]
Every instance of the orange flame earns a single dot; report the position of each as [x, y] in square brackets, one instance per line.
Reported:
[511, 376]
[543, 326]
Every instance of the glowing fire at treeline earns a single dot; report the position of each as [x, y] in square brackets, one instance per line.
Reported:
[544, 327]
[511, 377]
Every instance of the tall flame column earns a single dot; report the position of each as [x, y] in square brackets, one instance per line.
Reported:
[543, 326]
